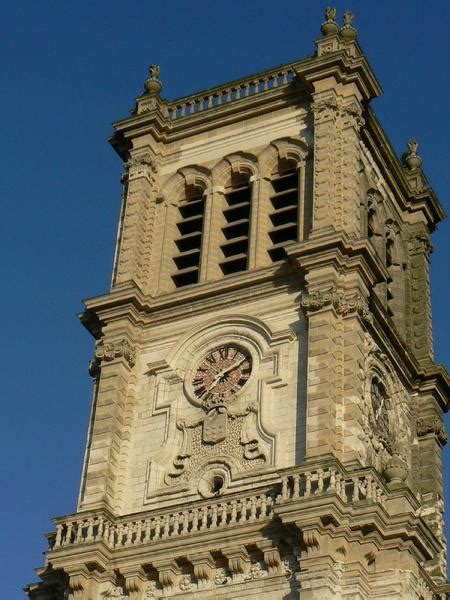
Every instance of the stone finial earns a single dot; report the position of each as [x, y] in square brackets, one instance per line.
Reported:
[153, 84]
[411, 159]
[348, 32]
[329, 26]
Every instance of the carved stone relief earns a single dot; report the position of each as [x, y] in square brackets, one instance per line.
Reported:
[220, 437]
[386, 426]
[344, 304]
[211, 392]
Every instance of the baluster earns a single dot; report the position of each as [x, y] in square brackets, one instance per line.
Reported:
[204, 518]
[319, 481]
[284, 78]
[244, 507]
[137, 539]
[308, 476]
[263, 511]
[355, 496]
[214, 516]
[185, 522]
[275, 81]
[120, 533]
[79, 534]
[127, 534]
[90, 530]
[296, 488]
[252, 509]
[233, 511]
[210, 102]
[284, 489]
[165, 526]
[147, 531]
[106, 532]
[195, 520]
[112, 536]
[265, 81]
[368, 482]
[332, 485]
[176, 524]
[99, 533]
[58, 538]
[339, 484]
[157, 528]
[344, 490]
[224, 517]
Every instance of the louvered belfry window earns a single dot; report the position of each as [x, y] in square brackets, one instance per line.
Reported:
[283, 212]
[236, 228]
[188, 240]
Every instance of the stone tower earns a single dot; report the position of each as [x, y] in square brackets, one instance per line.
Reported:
[267, 414]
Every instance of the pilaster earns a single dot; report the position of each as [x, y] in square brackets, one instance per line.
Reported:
[420, 329]
[114, 361]
[136, 228]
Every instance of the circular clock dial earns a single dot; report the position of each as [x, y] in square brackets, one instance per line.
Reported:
[222, 374]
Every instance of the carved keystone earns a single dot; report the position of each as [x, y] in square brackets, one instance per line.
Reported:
[238, 562]
[272, 557]
[204, 567]
[168, 574]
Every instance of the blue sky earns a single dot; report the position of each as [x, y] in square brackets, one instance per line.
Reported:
[68, 70]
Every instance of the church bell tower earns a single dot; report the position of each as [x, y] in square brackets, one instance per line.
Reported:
[267, 416]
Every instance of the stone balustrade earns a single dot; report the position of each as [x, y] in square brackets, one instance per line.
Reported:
[362, 485]
[302, 484]
[161, 527]
[220, 96]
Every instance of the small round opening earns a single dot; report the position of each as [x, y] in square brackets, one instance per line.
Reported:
[216, 484]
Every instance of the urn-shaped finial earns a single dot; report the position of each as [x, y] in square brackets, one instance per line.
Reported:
[395, 470]
[329, 26]
[153, 84]
[411, 159]
[348, 32]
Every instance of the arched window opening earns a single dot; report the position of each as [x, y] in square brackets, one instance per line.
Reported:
[189, 239]
[283, 209]
[236, 225]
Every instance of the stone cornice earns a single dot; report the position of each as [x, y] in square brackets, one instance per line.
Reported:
[341, 251]
[156, 120]
[130, 301]
[410, 200]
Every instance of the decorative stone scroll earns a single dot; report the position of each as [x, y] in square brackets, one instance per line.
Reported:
[385, 420]
[432, 425]
[107, 352]
[344, 305]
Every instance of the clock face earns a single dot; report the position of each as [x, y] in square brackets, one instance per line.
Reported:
[221, 374]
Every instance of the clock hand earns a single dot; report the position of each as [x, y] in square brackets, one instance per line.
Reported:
[226, 370]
